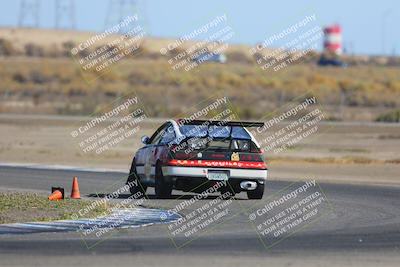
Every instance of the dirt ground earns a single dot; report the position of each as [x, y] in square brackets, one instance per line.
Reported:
[337, 152]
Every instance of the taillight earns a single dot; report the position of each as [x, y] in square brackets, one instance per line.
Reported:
[218, 163]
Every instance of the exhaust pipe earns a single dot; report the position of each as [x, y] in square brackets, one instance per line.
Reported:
[248, 185]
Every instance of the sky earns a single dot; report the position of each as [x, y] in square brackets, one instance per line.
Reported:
[369, 27]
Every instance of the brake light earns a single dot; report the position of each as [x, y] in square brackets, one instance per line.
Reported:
[219, 163]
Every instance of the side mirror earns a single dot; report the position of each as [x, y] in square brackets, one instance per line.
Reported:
[145, 139]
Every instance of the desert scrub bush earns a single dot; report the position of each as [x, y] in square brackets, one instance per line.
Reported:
[67, 47]
[39, 77]
[239, 57]
[35, 76]
[392, 116]
[247, 85]
[20, 77]
[228, 79]
[6, 48]
[33, 50]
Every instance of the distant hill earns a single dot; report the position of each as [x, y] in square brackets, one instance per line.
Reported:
[49, 38]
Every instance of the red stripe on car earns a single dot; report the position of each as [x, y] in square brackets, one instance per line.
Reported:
[219, 163]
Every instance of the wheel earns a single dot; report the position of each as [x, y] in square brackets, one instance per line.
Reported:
[133, 177]
[162, 187]
[256, 193]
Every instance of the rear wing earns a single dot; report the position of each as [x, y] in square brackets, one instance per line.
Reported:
[220, 123]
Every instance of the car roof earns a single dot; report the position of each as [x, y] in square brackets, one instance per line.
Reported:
[220, 122]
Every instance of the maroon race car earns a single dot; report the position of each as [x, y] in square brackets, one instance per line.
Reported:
[193, 155]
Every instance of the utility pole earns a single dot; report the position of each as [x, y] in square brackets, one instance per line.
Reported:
[385, 15]
[29, 13]
[65, 14]
[119, 10]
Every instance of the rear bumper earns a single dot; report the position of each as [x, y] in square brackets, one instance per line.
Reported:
[201, 172]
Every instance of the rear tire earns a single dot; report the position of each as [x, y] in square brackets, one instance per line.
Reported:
[256, 193]
[134, 189]
[162, 188]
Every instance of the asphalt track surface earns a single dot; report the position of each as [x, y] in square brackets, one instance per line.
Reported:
[362, 228]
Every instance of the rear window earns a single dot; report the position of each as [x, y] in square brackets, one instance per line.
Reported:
[240, 133]
[219, 131]
[214, 131]
[194, 130]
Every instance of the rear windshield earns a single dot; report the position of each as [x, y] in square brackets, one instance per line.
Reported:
[214, 131]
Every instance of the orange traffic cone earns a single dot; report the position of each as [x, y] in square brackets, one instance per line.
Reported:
[56, 195]
[75, 189]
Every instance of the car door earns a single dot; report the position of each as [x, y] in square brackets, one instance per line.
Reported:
[159, 150]
[149, 165]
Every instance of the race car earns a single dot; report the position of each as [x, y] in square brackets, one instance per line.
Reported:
[192, 155]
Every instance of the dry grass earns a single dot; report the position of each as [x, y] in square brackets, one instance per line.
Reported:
[26, 207]
[58, 86]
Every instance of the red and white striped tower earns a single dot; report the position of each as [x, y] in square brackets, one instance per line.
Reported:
[333, 39]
